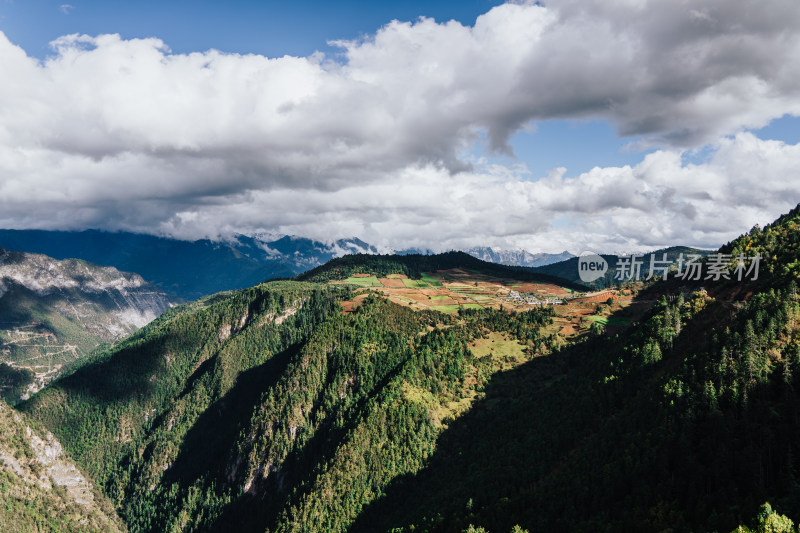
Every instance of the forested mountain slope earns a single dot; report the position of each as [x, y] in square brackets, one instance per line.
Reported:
[567, 270]
[687, 421]
[269, 409]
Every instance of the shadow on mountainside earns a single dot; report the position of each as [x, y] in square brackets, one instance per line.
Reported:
[569, 442]
[206, 446]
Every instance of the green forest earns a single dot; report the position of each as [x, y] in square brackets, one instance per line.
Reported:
[269, 409]
[414, 265]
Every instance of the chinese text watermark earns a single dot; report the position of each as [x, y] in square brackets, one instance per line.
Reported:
[689, 267]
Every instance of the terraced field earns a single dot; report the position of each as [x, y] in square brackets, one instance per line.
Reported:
[450, 290]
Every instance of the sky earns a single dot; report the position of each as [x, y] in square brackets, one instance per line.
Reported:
[613, 125]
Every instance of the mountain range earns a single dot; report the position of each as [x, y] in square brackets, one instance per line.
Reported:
[192, 269]
[568, 268]
[322, 405]
[186, 269]
[517, 257]
[53, 313]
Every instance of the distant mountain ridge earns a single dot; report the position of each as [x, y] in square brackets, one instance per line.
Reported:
[568, 269]
[53, 313]
[304, 254]
[414, 265]
[518, 257]
[187, 269]
[193, 269]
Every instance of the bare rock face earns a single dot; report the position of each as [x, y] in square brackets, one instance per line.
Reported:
[53, 312]
[57, 469]
[37, 475]
[80, 288]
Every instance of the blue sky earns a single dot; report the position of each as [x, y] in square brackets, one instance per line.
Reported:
[402, 136]
[261, 27]
[299, 28]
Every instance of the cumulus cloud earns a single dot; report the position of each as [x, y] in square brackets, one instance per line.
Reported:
[661, 201]
[123, 134]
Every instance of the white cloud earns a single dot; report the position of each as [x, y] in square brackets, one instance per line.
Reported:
[659, 202]
[123, 134]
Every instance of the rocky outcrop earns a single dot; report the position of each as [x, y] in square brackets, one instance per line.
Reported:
[80, 288]
[52, 313]
[40, 479]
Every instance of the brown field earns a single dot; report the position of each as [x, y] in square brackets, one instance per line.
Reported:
[350, 306]
[568, 329]
[573, 318]
[448, 301]
[459, 287]
[542, 288]
[599, 297]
